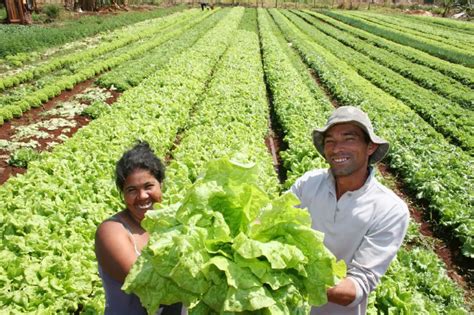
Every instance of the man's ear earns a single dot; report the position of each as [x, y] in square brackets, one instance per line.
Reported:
[372, 147]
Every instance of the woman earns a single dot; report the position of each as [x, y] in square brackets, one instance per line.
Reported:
[120, 239]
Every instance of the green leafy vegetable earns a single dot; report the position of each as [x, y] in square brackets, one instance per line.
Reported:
[228, 247]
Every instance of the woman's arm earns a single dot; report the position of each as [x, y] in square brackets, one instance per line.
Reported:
[114, 250]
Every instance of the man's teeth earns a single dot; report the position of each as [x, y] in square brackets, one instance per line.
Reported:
[340, 160]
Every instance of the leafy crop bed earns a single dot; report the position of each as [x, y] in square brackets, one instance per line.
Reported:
[205, 85]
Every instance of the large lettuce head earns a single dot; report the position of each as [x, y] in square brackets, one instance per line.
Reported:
[229, 248]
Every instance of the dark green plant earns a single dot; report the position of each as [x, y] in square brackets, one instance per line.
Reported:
[23, 156]
[52, 12]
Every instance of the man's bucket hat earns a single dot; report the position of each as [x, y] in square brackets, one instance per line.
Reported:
[351, 114]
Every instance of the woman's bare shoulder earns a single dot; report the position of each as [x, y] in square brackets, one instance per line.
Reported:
[114, 250]
[112, 227]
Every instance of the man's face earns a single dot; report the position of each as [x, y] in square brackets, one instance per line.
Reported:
[347, 150]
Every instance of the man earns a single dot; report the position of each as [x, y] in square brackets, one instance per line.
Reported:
[363, 221]
[203, 4]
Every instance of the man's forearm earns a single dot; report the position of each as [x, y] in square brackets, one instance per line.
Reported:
[344, 293]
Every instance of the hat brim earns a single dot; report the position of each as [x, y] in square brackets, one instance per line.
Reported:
[378, 155]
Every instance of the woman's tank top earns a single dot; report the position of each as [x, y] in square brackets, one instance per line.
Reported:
[117, 302]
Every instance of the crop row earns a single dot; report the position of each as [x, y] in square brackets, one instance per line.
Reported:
[451, 120]
[130, 74]
[450, 24]
[296, 106]
[37, 97]
[214, 130]
[429, 46]
[450, 38]
[423, 75]
[15, 95]
[20, 40]
[458, 72]
[430, 167]
[117, 39]
[49, 215]
[405, 284]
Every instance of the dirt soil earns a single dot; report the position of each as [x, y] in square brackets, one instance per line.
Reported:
[418, 12]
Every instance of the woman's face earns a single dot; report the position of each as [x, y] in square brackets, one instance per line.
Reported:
[141, 190]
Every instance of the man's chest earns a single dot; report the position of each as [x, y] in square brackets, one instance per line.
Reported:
[344, 222]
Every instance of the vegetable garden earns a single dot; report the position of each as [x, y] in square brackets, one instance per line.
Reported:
[201, 85]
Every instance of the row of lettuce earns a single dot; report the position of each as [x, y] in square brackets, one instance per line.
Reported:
[463, 56]
[448, 24]
[397, 22]
[196, 96]
[458, 72]
[131, 73]
[123, 45]
[449, 118]
[18, 42]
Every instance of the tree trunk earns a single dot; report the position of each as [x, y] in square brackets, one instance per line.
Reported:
[87, 5]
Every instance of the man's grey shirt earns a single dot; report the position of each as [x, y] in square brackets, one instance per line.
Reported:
[365, 228]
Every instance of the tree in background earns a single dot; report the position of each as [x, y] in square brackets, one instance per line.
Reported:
[460, 6]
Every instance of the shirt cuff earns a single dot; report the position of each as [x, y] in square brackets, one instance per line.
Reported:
[359, 293]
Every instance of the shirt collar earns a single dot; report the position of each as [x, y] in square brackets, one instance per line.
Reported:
[331, 182]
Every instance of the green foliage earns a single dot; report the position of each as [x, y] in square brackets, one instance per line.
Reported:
[130, 74]
[22, 157]
[249, 20]
[131, 35]
[298, 106]
[49, 215]
[435, 48]
[6, 113]
[447, 117]
[3, 12]
[417, 283]
[451, 24]
[52, 11]
[19, 59]
[422, 31]
[420, 74]
[16, 111]
[404, 289]
[96, 109]
[23, 104]
[18, 39]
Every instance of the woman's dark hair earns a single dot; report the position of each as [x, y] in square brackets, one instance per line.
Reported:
[141, 156]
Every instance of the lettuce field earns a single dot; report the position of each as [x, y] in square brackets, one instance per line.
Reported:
[229, 82]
